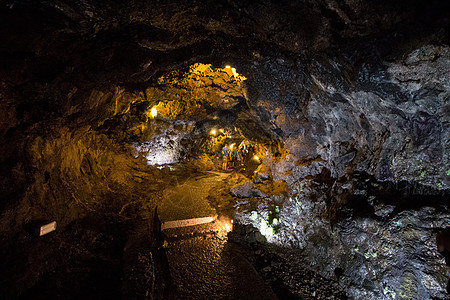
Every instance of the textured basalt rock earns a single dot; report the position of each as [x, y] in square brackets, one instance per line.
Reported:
[365, 127]
[392, 123]
[246, 190]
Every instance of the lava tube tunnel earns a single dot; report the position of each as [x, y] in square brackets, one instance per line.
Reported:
[224, 149]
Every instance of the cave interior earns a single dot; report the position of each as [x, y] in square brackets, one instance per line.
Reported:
[334, 117]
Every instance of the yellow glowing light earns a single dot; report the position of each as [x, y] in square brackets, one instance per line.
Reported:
[234, 72]
[213, 132]
[231, 146]
[256, 157]
[225, 224]
[221, 130]
[154, 112]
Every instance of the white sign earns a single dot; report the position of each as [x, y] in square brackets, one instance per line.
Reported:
[48, 228]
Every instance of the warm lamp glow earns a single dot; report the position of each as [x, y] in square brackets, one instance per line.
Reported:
[256, 157]
[213, 132]
[227, 67]
[234, 72]
[225, 224]
[154, 112]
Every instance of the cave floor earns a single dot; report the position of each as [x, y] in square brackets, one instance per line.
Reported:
[202, 262]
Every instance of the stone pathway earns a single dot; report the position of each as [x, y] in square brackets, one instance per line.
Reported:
[202, 263]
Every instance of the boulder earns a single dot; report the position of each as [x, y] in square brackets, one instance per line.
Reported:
[246, 190]
[262, 173]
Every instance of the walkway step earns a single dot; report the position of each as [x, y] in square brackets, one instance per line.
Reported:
[187, 222]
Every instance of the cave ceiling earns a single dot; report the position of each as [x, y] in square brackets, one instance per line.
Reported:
[54, 52]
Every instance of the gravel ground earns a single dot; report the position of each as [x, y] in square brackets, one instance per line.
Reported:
[209, 267]
[202, 263]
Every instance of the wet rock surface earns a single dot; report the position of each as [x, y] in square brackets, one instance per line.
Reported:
[362, 125]
[284, 269]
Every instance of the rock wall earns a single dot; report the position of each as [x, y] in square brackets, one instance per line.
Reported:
[74, 178]
[367, 168]
[66, 171]
[389, 120]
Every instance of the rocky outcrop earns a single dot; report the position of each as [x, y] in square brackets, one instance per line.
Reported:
[381, 249]
[246, 190]
[378, 123]
[388, 120]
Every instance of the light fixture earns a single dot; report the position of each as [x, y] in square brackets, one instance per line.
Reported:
[256, 157]
[154, 112]
[213, 132]
[227, 67]
[234, 72]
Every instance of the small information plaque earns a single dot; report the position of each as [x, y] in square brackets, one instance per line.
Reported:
[47, 228]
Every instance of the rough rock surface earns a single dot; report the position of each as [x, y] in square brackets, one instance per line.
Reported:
[382, 247]
[246, 190]
[284, 269]
[389, 119]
